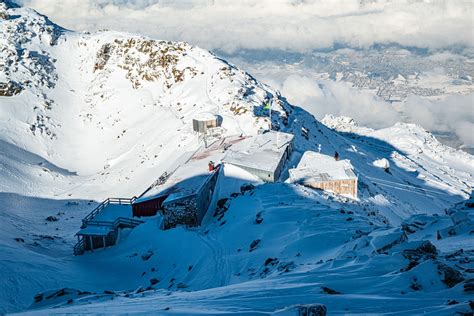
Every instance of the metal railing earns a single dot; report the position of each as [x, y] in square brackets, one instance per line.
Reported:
[121, 222]
[79, 248]
[101, 206]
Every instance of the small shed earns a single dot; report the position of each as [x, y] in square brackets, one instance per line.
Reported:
[324, 172]
[190, 206]
[184, 198]
[263, 155]
[204, 121]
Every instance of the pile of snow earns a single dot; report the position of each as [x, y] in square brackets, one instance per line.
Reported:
[382, 163]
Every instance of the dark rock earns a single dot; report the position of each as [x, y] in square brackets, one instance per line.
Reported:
[415, 285]
[286, 266]
[38, 298]
[258, 218]
[246, 188]
[452, 302]
[271, 261]
[181, 285]
[410, 266]
[425, 250]
[58, 293]
[254, 244]
[109, 292]
[147, 255]
[455, 254]
[451, 276]
[469, 286]
[51, 219]
[103, 56]
[327, 290]
[312, 310]
[154, 281]
[19, 239]
[10, 88]
[221, 203]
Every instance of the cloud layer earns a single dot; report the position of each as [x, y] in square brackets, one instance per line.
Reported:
[453, 114]
[295, 25]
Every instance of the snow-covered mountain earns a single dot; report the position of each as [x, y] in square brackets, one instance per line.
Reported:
[87, 116]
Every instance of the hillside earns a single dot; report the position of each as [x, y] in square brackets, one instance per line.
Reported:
[86, 116]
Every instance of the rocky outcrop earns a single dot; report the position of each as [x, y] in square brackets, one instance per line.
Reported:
[451, 276]
[3, 11]
[10, 88]
[146, 60]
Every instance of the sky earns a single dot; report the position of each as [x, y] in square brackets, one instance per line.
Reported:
[301, 26]
[296, 25]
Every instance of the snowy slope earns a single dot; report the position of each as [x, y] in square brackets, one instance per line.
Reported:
[88, 116]
[310, 249]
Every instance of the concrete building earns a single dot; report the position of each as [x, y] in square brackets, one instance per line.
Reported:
[189, 207]
[204, 121]
[263, 155]
[323, 172]
[183, 199]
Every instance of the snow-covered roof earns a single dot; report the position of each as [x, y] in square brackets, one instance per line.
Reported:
[187, 179]
[205, 116]
[93, 230]
[316, 167]
[263, 152]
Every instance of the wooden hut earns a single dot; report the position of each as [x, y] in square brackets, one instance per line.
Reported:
[323, 172]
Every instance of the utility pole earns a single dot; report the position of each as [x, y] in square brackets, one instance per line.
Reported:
[270, 113]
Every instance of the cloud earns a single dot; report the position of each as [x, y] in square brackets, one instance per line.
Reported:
[453, 114]
[321, 97]
[294, 25]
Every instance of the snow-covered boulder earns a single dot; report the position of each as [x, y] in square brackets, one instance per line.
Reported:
[382, 163]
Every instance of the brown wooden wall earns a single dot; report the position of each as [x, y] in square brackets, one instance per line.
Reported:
[348, 187]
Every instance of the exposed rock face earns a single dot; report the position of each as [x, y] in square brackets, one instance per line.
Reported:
[312, 310]
[181, 212]
[425, 250]
[10, 88]
[3, 11]
[451, 276]
[148, 60]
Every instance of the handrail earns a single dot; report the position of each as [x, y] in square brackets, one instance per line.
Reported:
[101, 206]
[79, 248]
[116, 222]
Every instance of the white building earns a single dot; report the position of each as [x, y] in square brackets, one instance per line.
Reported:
[263, 155]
